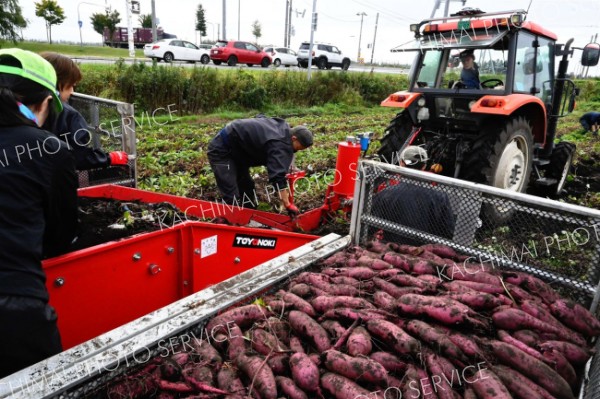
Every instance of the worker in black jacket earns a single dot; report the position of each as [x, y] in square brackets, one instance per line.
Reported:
[38, 208]
[258, 141]
[70, 126]
[409, 204]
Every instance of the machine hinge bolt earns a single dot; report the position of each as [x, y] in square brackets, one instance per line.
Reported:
[186, 283]
[137, 256]
[154, 269]
[170, 250]
[59, 282]
[197, 251]
[237, 259]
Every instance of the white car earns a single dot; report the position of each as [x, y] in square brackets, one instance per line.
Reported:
[282, 56]
[176, 49]
[324, 56]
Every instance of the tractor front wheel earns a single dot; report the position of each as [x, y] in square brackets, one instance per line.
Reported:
[394, 138]
[502, 160]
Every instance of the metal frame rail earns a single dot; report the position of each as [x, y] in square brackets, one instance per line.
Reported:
[83, 370]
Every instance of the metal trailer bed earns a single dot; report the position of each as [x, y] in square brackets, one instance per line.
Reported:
[83, 370]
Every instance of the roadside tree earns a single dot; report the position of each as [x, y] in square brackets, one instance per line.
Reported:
[201, 21]
[50, 11]
[11, 19]
[145, 20]
[256, 30]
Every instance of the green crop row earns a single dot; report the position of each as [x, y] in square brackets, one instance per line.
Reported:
[204, 89]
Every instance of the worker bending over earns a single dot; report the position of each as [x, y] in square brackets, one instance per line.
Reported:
[259, 141]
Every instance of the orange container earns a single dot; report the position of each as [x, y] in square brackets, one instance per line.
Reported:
[346, 167]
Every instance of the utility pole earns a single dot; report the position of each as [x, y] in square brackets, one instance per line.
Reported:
[374, 37]
[287, 21]
[289, 31]
[238, 19]
[154, 35]
[224, 19]
[361, 15]
[313, 28]
[130, 29]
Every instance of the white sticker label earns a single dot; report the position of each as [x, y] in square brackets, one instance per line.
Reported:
[208, 246]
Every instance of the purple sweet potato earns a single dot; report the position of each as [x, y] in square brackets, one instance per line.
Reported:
[287, 387]
[305, 326]
[293, 301]
[323, 303]
[515, 319]
[355, 314]
[236, 340]
[535, 369]
[444, 310]
[393, 289]
[521, 386]
[576, 316]
[361, 273]
[539, 311]
[259, 373]
[490, 387]
[393, 336]
[300, 289]
[384, 301]
[390, 362]
[343, 388]
[375, 264]
[507, 338]
[528, 337]
[359, 342]
[355, 368]
[266, 343]
[435, 338]
[478, 301]
[574, 354]
[296, 344]
[243, 316]
[334, 328]
[562, 366]
[304, 372]
[228, 380]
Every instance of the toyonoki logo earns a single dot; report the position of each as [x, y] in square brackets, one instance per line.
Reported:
[246, 241]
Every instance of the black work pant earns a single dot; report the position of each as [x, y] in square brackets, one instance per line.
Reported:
[28, 333]
[232, 175]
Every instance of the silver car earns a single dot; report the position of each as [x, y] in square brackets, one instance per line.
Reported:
[282, 56]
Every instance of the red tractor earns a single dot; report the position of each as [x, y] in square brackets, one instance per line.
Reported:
[494, 120]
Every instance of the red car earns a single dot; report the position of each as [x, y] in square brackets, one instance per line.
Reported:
[233, 52]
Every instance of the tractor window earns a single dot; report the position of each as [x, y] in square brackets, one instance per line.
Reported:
[429, 69]
[534, 66]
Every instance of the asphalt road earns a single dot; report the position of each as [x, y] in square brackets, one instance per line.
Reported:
[353, 67]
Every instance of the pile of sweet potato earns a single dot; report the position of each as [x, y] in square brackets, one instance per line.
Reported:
[389, 321]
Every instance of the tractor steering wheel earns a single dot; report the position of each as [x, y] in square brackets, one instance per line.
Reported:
[493, 83]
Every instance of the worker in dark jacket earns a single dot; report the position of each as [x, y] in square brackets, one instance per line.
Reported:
[259, 141]
[70, 126]
[38, 207]
[411, 205]
[591, 122]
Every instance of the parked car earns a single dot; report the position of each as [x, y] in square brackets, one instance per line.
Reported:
[175, 49]
[234, 51]
[325, 56]
[282, 55]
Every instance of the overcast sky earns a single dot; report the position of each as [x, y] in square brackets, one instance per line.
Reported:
[338, 22]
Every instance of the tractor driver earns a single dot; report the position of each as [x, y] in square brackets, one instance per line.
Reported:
[469, 76]
[259, 141]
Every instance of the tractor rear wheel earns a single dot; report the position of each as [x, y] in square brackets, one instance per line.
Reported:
[559, 167]
[502, 160]
[394, 137]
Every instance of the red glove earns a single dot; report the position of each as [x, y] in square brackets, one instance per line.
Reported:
[118, 158]
[293, 210]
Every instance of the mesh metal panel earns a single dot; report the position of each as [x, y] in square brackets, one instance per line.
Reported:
[112, 127]
[557, 242]
[554, 241]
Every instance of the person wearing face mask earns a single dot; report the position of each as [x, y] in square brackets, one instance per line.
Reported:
[70, 126]
[259, 141]
[38, 207]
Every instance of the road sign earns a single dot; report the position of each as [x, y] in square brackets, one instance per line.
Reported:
[80, 23]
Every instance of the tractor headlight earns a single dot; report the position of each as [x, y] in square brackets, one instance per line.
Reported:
[471, 104]
[421, 102]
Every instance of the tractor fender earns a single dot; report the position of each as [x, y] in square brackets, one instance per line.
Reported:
[400, 99]
[516, 104]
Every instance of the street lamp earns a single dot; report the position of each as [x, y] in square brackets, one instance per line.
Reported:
[361, 15]
[79, 18]
[213, 29]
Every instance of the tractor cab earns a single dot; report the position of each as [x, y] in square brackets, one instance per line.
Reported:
[483, 99]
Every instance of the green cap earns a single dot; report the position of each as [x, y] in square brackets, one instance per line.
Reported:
[33, 67]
